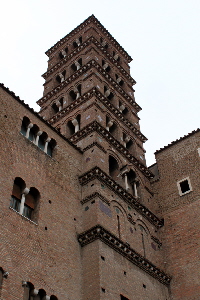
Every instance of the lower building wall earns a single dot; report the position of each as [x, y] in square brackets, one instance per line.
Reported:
[110, 274]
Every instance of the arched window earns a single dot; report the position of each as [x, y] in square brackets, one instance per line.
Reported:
[108, 93]
[113, 167]
[132, 183]
[42, 140]
[76, 93]
[73, 126]
[116, 56]
[33, 133]
[105, 66]
[63, 53]
[77, 42]
[119, 80]
[23, 200]
[24, 126]
[31, 293]
[18, 187]
[122, 108]
[104, 43]
[77, 65]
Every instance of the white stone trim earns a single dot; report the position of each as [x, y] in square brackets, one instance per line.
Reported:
[179, 187]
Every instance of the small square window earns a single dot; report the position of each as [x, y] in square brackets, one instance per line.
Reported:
[184, 186]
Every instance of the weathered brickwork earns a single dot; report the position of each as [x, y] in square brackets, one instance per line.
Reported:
[180, 233]
[81, 214]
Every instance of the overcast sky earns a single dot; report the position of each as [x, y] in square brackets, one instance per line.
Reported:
[162, 37]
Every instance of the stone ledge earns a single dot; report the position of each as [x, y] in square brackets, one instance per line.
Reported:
[98, 232]
[97, 173]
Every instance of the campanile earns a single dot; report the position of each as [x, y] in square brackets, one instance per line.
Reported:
[89, 98]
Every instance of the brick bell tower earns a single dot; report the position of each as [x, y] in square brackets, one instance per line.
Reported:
[88, 97]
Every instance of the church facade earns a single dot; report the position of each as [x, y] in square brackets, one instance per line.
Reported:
[82, 216]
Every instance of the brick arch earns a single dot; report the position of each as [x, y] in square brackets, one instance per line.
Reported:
[119, 219]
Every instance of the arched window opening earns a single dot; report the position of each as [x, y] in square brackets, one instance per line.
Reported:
[111, 127]
[131, 183]
[24, 200]
[122, 108]
[33, 133]
[116, 56]
[50, 145]
[119, 80]
[127, 142]
[18, 187]
[55, 108]
[63, 53]
[77, 65]
[53, 297]
[77, 42]
[104, 43]
[143, 239]
[74, 125]
[24, 126]
[113, 167]
[105, 66]
[76, 93]
[42, 139]
[108, 93]
[61, 77]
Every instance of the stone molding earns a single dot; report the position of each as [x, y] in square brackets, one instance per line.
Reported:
[94, 195]
[89, 20]
[97, 173]
[83, 69]
[95, 126]
[84, 45]
[104, 101]
[99, 232]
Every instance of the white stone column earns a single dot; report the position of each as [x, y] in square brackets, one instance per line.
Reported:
[37, 137]
[119, 79]
[107, 93]
[78, 66]
[110, 124]
[135, 189]
[105, 65]
[25, 192]
[78, 42]
[116, 56]
[76, 125]
[59, 105]
[64, 53]
[46, 144]
[126, 181]
[28, 130]
[121, 108]
[62, 78]
[46, 298]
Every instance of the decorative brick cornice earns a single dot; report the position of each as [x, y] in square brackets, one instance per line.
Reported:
[94, 195]
[83, 69]
[91, 19]
[94, 144]
[97, 173]
[104, 101]
[99, 232]
[84, 45]
[95, 126]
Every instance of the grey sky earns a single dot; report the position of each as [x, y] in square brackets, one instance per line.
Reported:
[162, 37]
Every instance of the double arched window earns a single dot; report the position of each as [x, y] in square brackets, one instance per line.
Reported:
[23, 200]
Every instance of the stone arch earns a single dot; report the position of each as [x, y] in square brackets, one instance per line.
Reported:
[144, 237]
[119, 219]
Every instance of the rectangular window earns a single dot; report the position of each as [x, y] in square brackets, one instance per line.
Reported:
[184, 186]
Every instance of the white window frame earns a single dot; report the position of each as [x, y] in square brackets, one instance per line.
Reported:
[179, 187]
